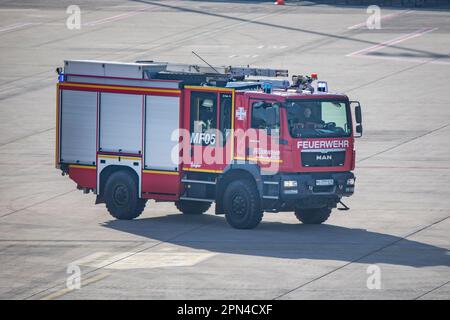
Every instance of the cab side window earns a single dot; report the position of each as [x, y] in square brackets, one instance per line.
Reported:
[203, 121]
[266, 116]
[225, 116]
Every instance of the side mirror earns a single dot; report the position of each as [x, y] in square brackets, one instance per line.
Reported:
[358, 118]
[359, 129]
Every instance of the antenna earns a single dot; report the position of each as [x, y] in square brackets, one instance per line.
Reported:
[205, 62]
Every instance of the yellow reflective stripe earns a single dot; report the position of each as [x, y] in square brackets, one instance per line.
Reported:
[161, 172]
[107, 156]
[201, 88]
[81, 167]
[202, 170]
[69, 85]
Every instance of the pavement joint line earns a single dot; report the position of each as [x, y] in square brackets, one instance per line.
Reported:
[84, 283]
[127, 256]
[403, 143]
[315, 44]
[117, 17]
[26, 136]
[122, 50]
[392, 74]
[409, 60]
[407, 168]
[209, 32]
[267, 24]
[56, 20]
[432, 290]
[16, 26]
[360, 258]
[36, 203]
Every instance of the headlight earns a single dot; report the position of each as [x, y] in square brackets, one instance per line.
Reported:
[290, 183]
[351, 181]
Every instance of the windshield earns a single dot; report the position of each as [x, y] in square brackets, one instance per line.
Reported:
[308, 119]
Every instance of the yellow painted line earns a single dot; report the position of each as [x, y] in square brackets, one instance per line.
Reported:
[216, 89]
[259, 159]
[82, 167]
[202, 170]
[71, 85]
[116, 157]
[161, 172]
[62, 292]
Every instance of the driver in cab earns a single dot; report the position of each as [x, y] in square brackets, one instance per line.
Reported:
[308, 121]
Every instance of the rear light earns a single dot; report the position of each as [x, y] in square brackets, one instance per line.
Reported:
[313, 75]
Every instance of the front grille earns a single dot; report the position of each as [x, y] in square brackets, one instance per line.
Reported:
[323, 159]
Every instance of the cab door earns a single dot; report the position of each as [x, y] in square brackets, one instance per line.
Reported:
[209, 121]
[263, 143]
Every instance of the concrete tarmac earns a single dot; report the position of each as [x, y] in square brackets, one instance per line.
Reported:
[398, 224]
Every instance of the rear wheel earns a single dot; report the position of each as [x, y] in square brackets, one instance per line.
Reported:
[242, 205]
[313, 216]
[192, 207]
[121, 196]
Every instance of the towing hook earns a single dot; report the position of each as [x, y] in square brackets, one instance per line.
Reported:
[345, 208]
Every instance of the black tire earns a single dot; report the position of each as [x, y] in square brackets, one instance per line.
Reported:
[121, 196]
[313, 216]
[192, 207]
[242, 205]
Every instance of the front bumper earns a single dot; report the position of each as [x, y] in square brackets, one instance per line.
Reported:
[308, 185]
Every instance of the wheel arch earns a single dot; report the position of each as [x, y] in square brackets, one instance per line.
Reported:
[235, 172]
[107, 172]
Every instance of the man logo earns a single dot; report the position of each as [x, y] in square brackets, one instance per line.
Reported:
[324, 157]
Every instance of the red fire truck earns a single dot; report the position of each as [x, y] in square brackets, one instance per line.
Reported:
[244, 138]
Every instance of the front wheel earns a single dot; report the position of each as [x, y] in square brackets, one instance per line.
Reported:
[242, 205]
[312, 216]
[121, 196]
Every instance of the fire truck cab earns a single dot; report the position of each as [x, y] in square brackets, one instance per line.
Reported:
[236, 136]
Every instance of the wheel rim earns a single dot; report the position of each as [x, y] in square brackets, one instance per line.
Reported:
[120, 195]
[239, 205]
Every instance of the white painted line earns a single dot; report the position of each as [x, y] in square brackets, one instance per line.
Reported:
[411, 60]
[391, 42]
[15, 26]
[386, 17]
[116, 17]
[205, 34]
[143, 260]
